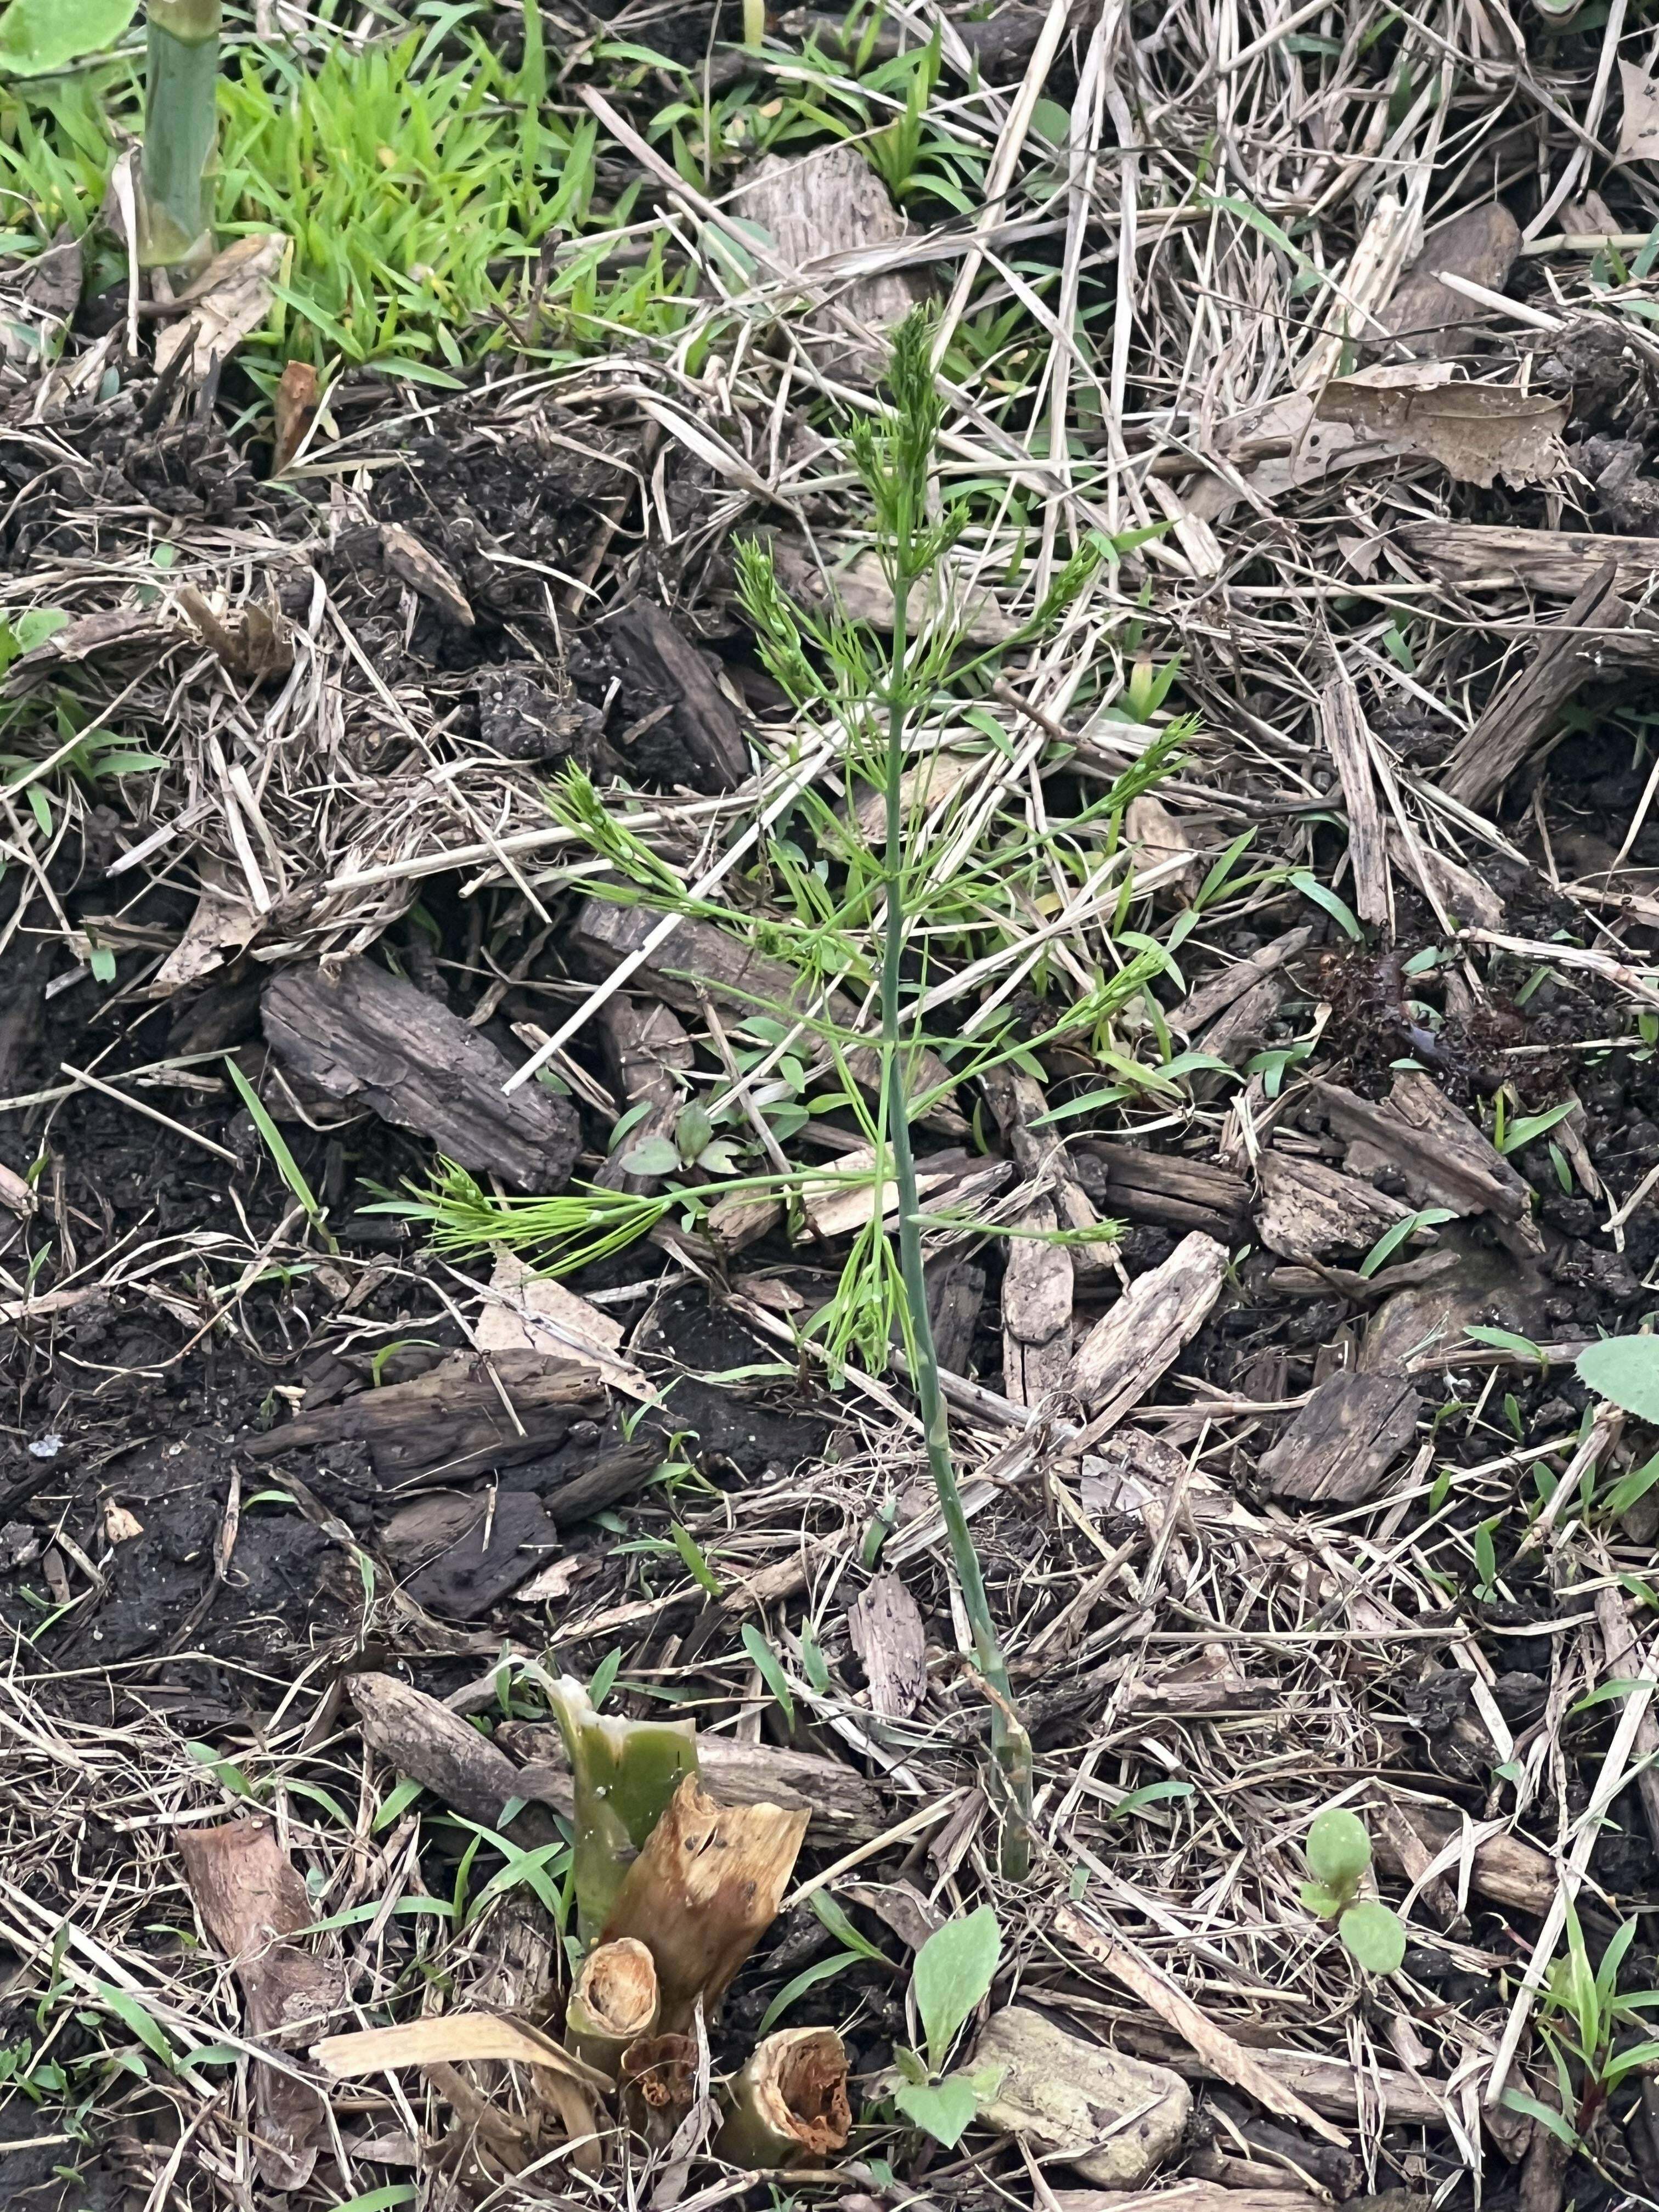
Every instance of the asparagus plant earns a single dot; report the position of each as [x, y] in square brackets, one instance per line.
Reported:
[624, 1773]
[175, 217]
[895, 457]
[613, 2005]
[789, 2104]
[705, 1886]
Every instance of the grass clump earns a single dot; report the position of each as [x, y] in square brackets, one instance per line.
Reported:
[418, 195]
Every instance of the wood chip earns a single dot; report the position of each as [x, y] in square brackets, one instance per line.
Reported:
[372, 1040]
[1345, 1439]
[1218, 992]
[420, 1737]
[1427, 317]
[1308, 1211]
[1445, 1158]
[1554, 562]
[1518, 724]
[1124, 1356]
[818, 205]
[884, 1624]
[1172, 1191]
[1342, 723]
[664, 666]
[455, 1417]
[416, 565]
[526, 1312]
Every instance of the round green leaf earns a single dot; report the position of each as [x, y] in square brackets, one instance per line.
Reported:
[38, 35]
[1375, 1935]
[1625, 1369]
[651, 1155]
[1339, 1849]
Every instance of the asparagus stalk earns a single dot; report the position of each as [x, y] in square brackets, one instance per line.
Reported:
[658, 2079]
[175, 216]
[789, 2103]
[897, 468]
[703, 1892]
[624, 1773]
[613, 2004]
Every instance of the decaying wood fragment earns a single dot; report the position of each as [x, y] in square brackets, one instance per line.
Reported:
[1124, 1356]
[1330, 2085]
[1309, 1211]
[501, 1546]
[1114, 2118]
[250, 1896]
[1445, 1160]
[453, 1417]
[1217, 993]
[1519, 724]
[524, 1311]
[886, 1627]
[420, 1736]
[648, 1047]
[1555, 562]
[1173, 1191]
[1427, 318]
[1338, 1448]
[1037, 1291]
[1506, 1869]
[372, 1040]
[818, 205]
[667, 666]
[1040, 1153]
[418, 566]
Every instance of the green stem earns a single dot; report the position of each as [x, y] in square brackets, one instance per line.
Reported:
[175, 217]
[1011, 1746]
[624, 1773]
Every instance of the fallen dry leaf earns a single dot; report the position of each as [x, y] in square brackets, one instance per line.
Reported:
[223, 925]
[1477, 432]
[1638, 131]
[254, 642]
[230, 299]
[572, 2088]
[526, 1312]
[250, 1895]
[295, 411]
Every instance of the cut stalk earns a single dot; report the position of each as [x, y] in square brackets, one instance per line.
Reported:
[914, 434]
[613, 2004]
[658, 2079]
[175, 214]
[789, 2103]
[702, 1892]
[624, 1773]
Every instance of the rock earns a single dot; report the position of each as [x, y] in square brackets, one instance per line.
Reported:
[1065, 2093]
